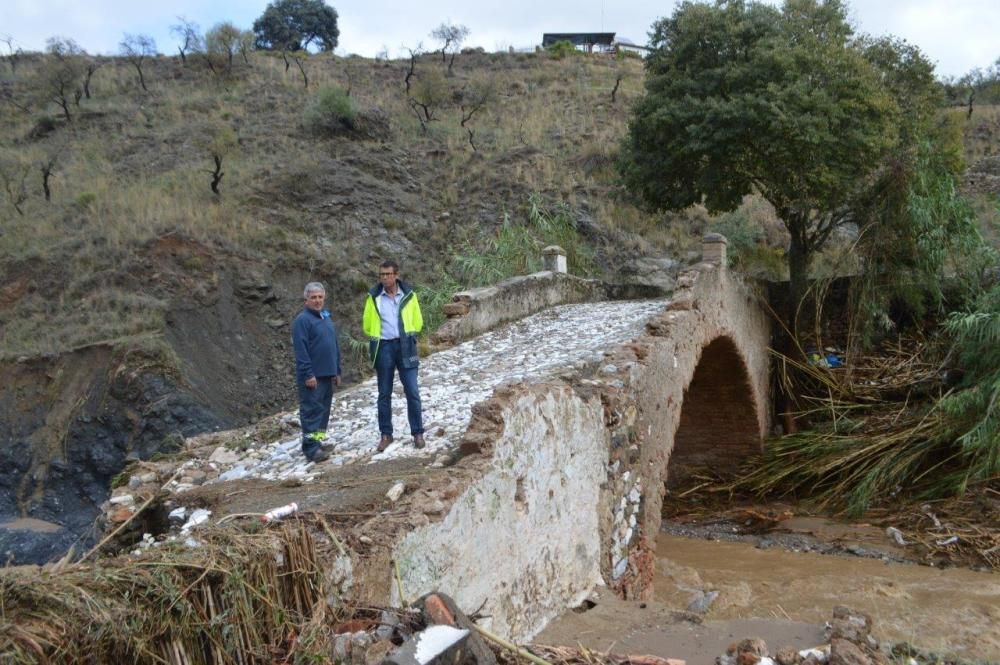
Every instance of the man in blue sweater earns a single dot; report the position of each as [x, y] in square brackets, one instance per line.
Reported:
[317, 369]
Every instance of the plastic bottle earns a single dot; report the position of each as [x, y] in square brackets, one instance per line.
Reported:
[278, 513]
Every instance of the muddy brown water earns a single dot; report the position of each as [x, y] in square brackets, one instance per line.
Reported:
[785, 597]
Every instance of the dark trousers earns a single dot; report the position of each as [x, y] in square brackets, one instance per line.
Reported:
[314, 413]
[388, 361]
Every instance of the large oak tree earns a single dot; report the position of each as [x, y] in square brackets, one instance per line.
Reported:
[742, 97]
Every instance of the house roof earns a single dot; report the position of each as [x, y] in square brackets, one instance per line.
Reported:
[578, 38]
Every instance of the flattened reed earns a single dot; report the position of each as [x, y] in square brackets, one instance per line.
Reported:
[235, 598]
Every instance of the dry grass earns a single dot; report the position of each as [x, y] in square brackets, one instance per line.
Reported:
[132, 167]
[248, 598]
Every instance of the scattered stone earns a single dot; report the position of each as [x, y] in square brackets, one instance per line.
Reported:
[236, 473]
[199, 516]
[850, 625]
[223, 455]
[702, 602]
[377, 652]
[120, 515]
[845, 652]
[453, 309]
[126, 500]
[442, 644]
[787, 656]
[815, 655]
[752, 645]
[396, 491]
[436, 612]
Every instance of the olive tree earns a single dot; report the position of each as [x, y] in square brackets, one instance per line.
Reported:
[136, 48]
[451, 37]
[61, 74]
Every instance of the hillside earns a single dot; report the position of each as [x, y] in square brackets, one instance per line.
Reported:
[138, 307]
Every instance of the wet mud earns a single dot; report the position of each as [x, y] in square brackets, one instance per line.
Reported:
[708, 593]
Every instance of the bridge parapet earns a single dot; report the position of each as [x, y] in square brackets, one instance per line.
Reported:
[475, 311]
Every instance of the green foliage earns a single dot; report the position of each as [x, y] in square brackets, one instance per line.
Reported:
[222, 42]
[432, 298]
[331, 111]
[221, 140]
[293, 25]
[514, 249]
[85, 200]
[747, 250]
[974, 411]
[61, 74]
[120, 480]
[917, 228]
[744, 97]
[561, 49]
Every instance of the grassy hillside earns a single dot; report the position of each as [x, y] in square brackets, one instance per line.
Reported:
[132, 224]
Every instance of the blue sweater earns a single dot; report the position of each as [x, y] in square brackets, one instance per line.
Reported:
[314, 338]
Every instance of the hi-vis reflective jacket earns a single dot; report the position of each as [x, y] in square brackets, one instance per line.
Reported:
[410, 323]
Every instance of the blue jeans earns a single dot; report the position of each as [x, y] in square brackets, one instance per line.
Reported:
[314, 413]
[387, 362]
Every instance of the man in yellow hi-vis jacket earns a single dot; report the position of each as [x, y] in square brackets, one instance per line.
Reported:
[391, 322]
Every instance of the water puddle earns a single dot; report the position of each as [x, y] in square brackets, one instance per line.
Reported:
[785, 597]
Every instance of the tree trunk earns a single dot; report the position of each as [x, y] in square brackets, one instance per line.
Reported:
[142, 81]
[799, 256]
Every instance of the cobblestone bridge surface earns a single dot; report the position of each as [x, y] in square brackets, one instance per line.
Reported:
[451, 382]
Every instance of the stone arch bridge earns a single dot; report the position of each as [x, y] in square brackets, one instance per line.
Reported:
[551, 440]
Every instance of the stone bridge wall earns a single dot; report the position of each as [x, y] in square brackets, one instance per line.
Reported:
[476, 311]
[575, 479]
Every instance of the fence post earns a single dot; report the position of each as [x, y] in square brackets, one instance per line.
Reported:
[713, 248]
[554, 258]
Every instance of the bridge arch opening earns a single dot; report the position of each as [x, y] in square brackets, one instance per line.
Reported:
[718, 425]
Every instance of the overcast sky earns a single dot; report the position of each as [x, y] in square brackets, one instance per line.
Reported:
[957, 35]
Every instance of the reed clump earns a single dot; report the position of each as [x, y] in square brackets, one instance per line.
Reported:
[233, 598]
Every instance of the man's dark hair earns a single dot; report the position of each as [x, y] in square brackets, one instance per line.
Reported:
[389, 263]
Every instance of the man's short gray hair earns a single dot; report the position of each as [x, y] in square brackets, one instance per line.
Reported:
[312, 287]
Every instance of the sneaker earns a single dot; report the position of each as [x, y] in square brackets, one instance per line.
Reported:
[418, 441]
[320, 456]
[384, 442]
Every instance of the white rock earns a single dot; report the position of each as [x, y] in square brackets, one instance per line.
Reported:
[199, 516]
[236, 473]
[223, 455]
[396, 491]
[620, 567]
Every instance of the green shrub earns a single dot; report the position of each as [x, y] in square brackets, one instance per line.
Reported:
[622, 54]
[85, 200]
[331, 111]
[561, 49]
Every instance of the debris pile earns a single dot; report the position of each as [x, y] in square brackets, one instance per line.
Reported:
[850, 642]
